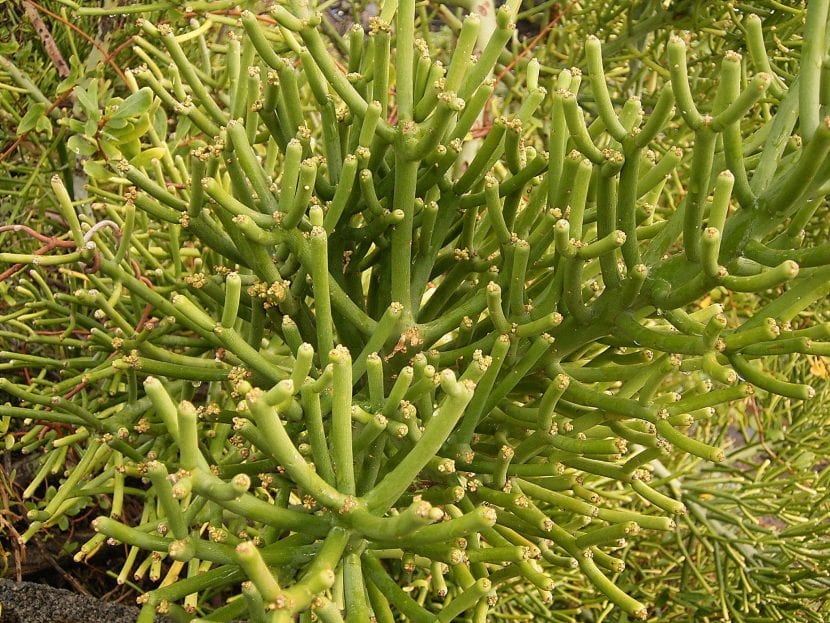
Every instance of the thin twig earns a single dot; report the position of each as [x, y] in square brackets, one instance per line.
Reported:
[23, 136]
[535, 40]
[101, 48]
[18, 547]
[38, 235]
[46, 39]
[16, 268]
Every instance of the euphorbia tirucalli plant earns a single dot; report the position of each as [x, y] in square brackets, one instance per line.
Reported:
[374, 380]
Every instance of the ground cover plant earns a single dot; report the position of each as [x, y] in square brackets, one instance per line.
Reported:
[406, 325]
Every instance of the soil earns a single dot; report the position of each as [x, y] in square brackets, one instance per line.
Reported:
[27, 602]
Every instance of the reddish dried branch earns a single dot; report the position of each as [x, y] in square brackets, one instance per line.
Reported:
[35, 234]
[46, 39]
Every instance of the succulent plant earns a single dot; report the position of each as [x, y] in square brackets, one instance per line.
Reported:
[370, 366]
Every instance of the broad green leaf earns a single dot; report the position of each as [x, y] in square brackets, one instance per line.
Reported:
[8, 47]
[159, 119]
[116, 124]
[145, 157]
[74, 77]
[30, 119]
[76, 126]
[134, 105]
[81, 145]
[97, 171]
[44, 124]
[91, 127]
[130, 131]
[110, 150]
[88, 101]
[183, 128]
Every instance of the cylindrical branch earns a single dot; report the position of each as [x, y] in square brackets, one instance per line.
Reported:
[319, 576]
[688, 444]
[709, 251]
[174, 519]
[599, 87]
[67, 211]
[233, 292]
[494, 210]
[296, 208]
[581, 444]
[189, 73]
[190, 456]
[558, 134]
[583, 394]
[577, 128]
[515, 506]
[257, 570]
[607, 244]
[395, 482]
[356, 37]
[374, 207]
[589, 416]
[216, 191]
[536, 165]
[233, 60]
[790, 186]
[253, 104]
[597, 578]
[806, 258]
[338, 81]
[250, 164]
[281, 447]
[403, 199]
[382, 530]
[257, 35]
[785, 271]
[341, 420]
[184, 107]
[313, 415]
[398, 391]
[427, 99]
[154, 189]
[699, 175]
[389, 588]
[374, 425]
[491, 149]
[680, 83]
[573, 287]
[668, 504]
[404, 59]
[810, 68]
[607, 199]
[93, 458]
[462, 53]
[627, 204]
[472, 414]
[505, 27]
[659, 118]
[434, 128]
[659, 172]
[607, 534]
[319, 270]
[767, 382]
[740, 105]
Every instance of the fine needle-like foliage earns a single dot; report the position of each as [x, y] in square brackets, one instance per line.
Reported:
[361, 360]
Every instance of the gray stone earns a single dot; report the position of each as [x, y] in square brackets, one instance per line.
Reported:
[26, 602]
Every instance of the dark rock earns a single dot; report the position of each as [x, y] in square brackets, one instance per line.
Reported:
[26, 602]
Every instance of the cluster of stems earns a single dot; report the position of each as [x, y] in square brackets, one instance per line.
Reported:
[358, 364]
